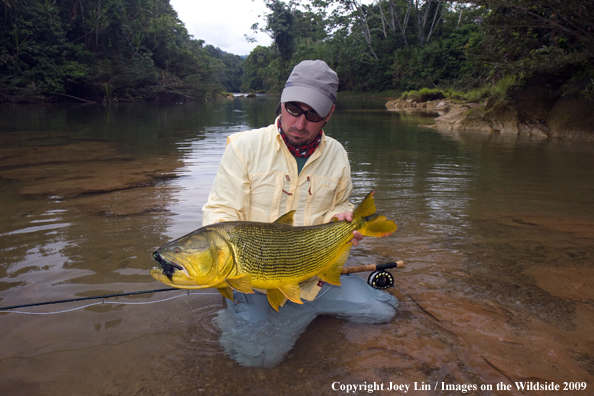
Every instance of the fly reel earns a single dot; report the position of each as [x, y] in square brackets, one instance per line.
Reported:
[379, 277]
[380, 280]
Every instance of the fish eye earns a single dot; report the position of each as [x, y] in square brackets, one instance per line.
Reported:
[177, 249]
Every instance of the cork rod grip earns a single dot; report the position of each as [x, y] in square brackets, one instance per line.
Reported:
[372, 267]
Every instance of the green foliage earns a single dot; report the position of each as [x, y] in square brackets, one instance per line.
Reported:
[231, 73]
[486, 48]
[141, 50]
[497, 90]
[137, 48]
[385, 45]
[443, 62]
[423, 95]
[255, 67]
[296, 34]
[502, 86]
[529, 38]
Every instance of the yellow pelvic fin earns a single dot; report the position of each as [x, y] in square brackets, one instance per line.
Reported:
[242, 283]
[292, 292]
[331, 273]
[366, 207]
[275, 298]
[378, 227]
[287, 218]
[226, 292]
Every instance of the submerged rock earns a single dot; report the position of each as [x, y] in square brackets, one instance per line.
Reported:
[70, 170]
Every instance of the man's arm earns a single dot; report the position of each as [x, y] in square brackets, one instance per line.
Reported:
[343, 192]
[343, 210]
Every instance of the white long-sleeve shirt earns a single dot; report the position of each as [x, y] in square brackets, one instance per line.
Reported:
[258, 180]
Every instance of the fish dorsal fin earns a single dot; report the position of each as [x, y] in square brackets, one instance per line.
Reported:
[241, 283]
[226, 292]
[287, 218]
[275, 298]
[292, 292]
[331, 273]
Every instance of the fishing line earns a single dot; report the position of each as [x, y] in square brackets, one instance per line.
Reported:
[11, 310]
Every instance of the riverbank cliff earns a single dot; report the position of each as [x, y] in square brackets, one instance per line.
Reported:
[533, 113]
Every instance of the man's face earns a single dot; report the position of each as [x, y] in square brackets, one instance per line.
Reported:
[298, 130]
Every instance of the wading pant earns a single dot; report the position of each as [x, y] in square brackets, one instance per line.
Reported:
[254, 334]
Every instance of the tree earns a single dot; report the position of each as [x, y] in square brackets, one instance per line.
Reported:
[230, 75]
[255, 78]
[289, 27]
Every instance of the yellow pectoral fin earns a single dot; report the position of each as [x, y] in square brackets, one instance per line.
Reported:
[275, 298]
[242, 283]
[292, 292]
[226, 292]
[331, 273]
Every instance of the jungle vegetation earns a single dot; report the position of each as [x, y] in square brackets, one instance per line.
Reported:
[106, 50]
[140, 50]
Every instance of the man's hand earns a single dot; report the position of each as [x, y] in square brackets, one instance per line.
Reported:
[348, 216]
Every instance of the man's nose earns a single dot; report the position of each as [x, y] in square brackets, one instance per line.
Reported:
[301, 122]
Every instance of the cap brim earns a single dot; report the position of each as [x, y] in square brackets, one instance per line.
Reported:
[314, 99]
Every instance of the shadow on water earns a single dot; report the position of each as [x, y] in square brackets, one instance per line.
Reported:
[497, 234]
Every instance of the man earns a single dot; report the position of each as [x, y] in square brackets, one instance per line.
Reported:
[265, 173]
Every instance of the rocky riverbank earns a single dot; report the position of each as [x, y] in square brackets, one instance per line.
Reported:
[539, 116]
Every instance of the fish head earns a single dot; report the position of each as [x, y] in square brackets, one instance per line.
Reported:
[198, 260]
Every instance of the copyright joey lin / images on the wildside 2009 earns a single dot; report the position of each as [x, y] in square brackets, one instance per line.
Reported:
[370, 387]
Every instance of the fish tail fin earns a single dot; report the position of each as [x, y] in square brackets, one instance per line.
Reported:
[366, 207]
[378, 226]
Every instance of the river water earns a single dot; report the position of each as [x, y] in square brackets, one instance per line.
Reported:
[497, 234]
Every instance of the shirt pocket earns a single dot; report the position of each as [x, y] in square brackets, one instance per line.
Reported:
[265, 196]
[321, 198]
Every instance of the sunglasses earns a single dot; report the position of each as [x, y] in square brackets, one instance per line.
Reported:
[296, 111]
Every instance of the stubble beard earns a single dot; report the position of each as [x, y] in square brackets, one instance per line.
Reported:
[297, 143]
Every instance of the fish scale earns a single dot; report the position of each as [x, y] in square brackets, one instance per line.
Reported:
[266, 253]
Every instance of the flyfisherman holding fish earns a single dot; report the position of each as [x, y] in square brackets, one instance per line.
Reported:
[265, 173]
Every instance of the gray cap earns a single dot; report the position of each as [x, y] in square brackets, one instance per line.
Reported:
[312, 83]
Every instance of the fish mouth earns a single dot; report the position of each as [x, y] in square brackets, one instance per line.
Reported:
[168, 267]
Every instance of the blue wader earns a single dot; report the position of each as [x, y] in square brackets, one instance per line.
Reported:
[254, 334]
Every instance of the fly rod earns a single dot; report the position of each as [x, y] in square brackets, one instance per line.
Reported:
[348, 270]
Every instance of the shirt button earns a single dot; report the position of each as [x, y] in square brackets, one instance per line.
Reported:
[288, 178]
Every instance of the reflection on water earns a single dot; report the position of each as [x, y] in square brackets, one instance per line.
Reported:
[497, 234]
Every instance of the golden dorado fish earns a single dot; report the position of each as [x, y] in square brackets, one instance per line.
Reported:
[243, 255]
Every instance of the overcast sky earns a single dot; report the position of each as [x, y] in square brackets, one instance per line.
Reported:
[223, 23]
